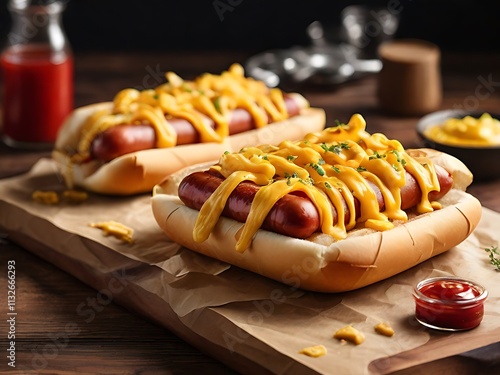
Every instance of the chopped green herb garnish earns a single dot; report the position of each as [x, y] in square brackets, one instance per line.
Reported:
[319, 170]
[361, 169]
[217, 104]
[327, 185]
[494, 255]
[293, 175]
[399, 158]
[336, 169]
[289, 176]
[376, 155]
[325, 147]
[308, 181]
[291, 157]
[337, 149]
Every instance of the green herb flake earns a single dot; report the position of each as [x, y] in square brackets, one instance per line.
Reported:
[339, 124]
[217, 104]
[376, 155]
[399, 158]
[336, 169]
[345, 145]
[325, 147]
[361, 169]
[319, 170]
[327, 185]
[494, 255]
[293, 175]
[308, 181]
[289, 176]
[341, 146]
[291, 157]
[337, 149]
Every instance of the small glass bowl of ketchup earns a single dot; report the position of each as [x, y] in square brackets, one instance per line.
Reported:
[449, 303]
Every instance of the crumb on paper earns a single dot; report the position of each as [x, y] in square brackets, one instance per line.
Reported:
[314, 351]
[351, 334]
[384, 329]
[50, 197]
[75, 196]
[115, 229]
[47, 197]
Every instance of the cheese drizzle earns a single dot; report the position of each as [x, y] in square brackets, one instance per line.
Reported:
[208, 98]
[329, 167]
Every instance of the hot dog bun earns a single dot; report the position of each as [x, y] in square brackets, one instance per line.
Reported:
[138, 172]
[320, 263]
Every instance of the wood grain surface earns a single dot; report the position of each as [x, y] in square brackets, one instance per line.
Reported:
[53, 338]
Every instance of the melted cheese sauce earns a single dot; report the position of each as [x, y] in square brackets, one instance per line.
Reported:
[208, 97]
[329, 167]
[467, 131]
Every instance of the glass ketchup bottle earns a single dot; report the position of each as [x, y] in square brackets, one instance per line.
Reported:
[37, 74]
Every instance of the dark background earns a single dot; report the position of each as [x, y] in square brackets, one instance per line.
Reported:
[256, 25]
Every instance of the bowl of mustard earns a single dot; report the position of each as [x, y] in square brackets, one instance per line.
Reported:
[471, 136]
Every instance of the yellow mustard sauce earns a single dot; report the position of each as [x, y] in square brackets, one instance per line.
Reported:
[207, 97]
[329, 167]
[466, 131]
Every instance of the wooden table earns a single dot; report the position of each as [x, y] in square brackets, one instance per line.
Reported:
[52, 337]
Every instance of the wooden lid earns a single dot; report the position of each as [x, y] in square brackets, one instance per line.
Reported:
[409, 51]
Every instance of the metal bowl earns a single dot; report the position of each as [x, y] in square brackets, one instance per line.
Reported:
[483, 161]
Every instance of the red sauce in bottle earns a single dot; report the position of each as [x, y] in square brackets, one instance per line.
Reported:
[449, 303]
[38, 93]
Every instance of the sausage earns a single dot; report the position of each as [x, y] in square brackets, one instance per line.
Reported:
[113, 142]
[411, 193]
[123, 139]
[294, 215]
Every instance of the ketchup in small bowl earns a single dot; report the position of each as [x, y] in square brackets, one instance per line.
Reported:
[449, 303]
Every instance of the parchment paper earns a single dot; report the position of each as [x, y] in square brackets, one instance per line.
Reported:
[240, 312]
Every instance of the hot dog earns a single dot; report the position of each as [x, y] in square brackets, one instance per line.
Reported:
[196, 188]
[115, 147]
[333, 212]
[124, 139]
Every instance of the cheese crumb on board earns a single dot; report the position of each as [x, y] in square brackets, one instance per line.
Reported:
[115, 229]
[351, 334]
[314, 351]
[45, 197]
[384, 329]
